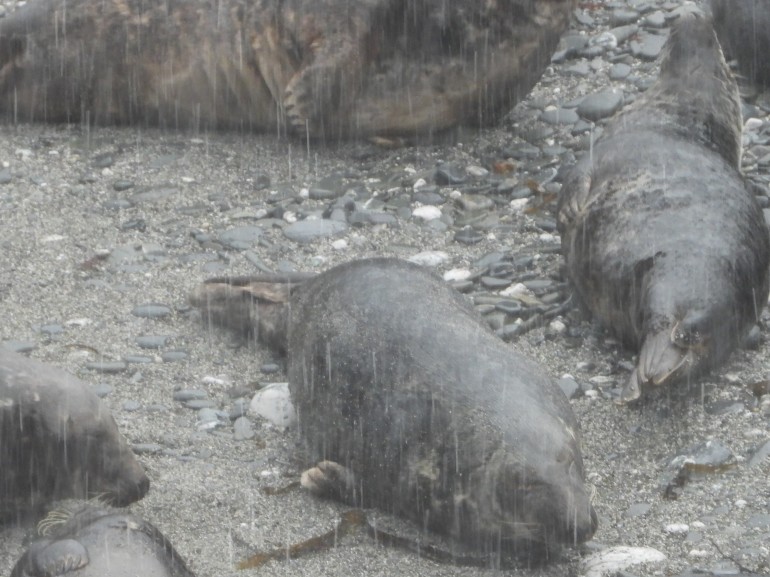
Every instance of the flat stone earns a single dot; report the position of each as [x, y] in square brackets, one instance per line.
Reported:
[306, 231]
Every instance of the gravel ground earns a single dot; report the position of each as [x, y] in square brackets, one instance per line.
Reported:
[96, 222]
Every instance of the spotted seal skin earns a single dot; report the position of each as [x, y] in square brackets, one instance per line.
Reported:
[95, 541]
[743, 28]
[58, 441]
[420, 410]
[326, 68]
[663, 240]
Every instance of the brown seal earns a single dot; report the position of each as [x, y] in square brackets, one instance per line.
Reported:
[743, 28]
[663, 240]
[57, 441]
[408, 402]
[96, 541]
[325, 68]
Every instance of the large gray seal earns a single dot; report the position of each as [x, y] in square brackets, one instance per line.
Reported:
[409, 403]
[96, 541]
[663, 240]
[743, 28]
[323, 68]
[58, 440]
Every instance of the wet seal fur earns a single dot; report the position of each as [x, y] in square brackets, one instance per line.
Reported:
[58, 441]
[663, 240]
[94, 541]
[418, 409]
[743, 28]
[324, 68]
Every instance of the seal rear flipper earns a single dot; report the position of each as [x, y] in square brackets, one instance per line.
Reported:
[52, 558]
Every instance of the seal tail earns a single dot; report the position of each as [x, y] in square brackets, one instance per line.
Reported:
[660, 360]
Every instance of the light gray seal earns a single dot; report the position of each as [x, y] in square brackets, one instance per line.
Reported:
[96, 541]
[323, 68]
[663, 240]
[408, 402]
[59, 441]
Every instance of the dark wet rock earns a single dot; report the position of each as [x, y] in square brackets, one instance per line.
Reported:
[323, 193]
[701, 458]
[655, 20]
[468, 235]
[154, 193]
[495, 283]
[107, 367]
[621, 17]
[184, 395]
[623, 33]
[121, 185]
[174, 356]
[449, 174]
[619, 71]
[649, 46]
[151, 311]
[429, 196]
[138, 359]
[601, 104]
[134, 224]
[269, 368]
[560, 116]
[152, 341]
[306, 231]
[198, 404]
[241, 237]
[102, 161]
[580, 69]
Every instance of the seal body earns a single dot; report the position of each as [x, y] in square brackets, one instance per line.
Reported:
[663, 240]
[411, 404]
[743, 28]
[323, 68]
[57, 441]
[95, 541]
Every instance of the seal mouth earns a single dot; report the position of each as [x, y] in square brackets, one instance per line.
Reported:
[126, 494]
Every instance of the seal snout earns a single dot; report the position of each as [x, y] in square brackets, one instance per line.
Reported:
[130, 491]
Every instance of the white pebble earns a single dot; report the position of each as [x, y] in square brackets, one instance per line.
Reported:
[428, 212]
[429, 258]
[23, 153]
[753, 124]
[698, 554]
[218, 381]
[187, 179]
[557, 326]
[273, 403]
[474, 170]
[304, 193]
[78, 322]
[516, 289]
[613, 559]
[457, 274]
[290, 217]
[547, 237]
[519, 204]
[741, 503]
[52, 238]
[676, 528]
[419, 183]
[340, 244]
[455, 194]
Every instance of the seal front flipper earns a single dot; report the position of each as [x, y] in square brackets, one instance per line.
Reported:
[576, 196]
[52, 558]
[331, 480]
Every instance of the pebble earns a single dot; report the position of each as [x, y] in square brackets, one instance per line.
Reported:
[615, 559]
[242, 429]
[151, 341]
[241, 237]
[307, 231]
[648, 47]
[107, 367]
[429, 258]
[601, 104]
[273, 403]
[151, 311]
[427, 212]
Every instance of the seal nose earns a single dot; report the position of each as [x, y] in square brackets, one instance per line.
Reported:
[130, 492]
[584, 524]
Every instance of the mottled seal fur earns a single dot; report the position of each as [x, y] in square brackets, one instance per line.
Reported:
[663, 240]
[57, 441]
[409, 403]
[327, 68]
[96, 541]
[743, 28]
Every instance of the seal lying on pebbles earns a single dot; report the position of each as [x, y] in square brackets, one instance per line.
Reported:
[57, 441]
[743, 28]
[327, 68]
[409, 403]
[94, 541]
[663, 240]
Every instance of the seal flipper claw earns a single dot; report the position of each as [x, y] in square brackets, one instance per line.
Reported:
[49, 559]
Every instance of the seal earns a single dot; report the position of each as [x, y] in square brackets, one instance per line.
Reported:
[663, 239]
[324, 68]
[58, 441]
[743, 28]
[408, 402]
[93, 540]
